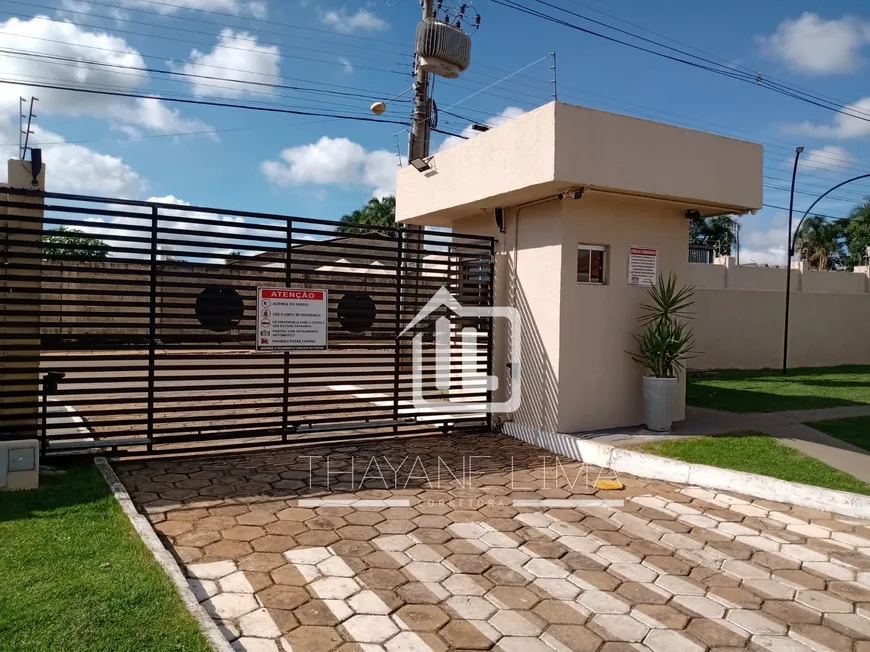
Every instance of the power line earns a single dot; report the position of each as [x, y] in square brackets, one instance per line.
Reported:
[29, 80]
[236, 17]
[162, 58]
[129, 138]
[267, 109]
[61, 60]
[192, 31]
[698, 62]
[202, 43]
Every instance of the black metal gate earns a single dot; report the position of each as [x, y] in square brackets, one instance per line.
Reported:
[129, 327]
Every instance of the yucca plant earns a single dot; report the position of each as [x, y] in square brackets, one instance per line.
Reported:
[666, 340]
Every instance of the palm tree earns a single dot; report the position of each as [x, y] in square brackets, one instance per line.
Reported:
[718, 232]
[820, 243]
[858, 234]
[376, 212]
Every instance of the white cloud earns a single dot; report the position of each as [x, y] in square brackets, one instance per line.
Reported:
[212, 242]
[507, 115]
[765, 245]
[255, 8]
[830, 157]
[235, 59]
[76, 45]
[348, 66]
[154, 115]
[334, 161]
[816, 46]
[361, 21]
[77, 169]
[853, 122]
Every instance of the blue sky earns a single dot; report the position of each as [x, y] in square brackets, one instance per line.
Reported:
[323, 168]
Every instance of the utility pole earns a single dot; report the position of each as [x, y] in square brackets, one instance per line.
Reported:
[418, 147]
[421, 127]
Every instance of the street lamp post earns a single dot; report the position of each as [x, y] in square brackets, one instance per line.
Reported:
[790, 248]
[792, 240]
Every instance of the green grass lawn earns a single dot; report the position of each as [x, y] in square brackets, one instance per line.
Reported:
[855, 431]
[757, 453]
[75, 577]
[769, 391]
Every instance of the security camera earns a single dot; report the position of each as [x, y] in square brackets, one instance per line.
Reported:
[693, 215]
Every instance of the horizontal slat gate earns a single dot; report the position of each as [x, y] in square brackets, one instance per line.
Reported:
[157, 340]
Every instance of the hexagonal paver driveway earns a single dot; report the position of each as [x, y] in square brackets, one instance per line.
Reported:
[432, 554]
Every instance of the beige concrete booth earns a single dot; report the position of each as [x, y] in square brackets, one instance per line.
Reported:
[589, 202]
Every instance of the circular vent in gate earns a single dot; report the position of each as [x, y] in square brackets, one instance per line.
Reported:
[219, 309]
[356, 312]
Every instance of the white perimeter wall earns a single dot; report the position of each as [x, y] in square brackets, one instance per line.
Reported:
[739, 315]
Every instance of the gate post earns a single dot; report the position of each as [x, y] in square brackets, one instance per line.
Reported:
[21, 289]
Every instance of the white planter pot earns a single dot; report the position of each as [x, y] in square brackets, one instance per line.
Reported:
[659, 400]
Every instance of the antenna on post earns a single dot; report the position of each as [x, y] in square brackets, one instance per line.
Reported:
[21, 117]
[554, 80]
[26, 132]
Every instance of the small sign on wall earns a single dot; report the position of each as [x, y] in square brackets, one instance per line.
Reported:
[642, 265]
[289, 319]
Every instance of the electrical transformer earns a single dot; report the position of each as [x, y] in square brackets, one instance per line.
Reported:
[443, 49]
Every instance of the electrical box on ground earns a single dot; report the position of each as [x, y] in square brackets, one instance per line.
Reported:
[19, 464]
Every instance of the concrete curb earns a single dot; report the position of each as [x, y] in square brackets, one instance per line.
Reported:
[644, 465]
[216, 640]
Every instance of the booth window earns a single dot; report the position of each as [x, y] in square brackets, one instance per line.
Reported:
[591, 263]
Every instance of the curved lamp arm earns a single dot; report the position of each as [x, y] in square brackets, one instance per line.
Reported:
[813, 205]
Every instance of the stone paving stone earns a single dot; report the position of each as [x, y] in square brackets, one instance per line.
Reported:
[572, 637]
[518, 623]
[666, 640]
[755, 622]
[252, 644]
[778, 644]
[469, 634]
[211, 571]
[823, 601]
[659, 616]
[235, 583]
[675, 569]
[228, 606]
[259, 624]
[368, 602]
[791, 613]
[322, 613]
[799, 580]
[851, 625]
[203, 589]
[637, 593]
[820, 637]
[613, 627]
[314, 639]
[697, 606]
[735, 597]
[370, 629]
[283, 597]
[470, 607]
[770, 589]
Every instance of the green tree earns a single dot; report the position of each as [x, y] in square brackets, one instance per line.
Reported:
[858, 234]
[821, 243]
[72, 244]
[376, 212]
[719, 232]
[230, 259]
